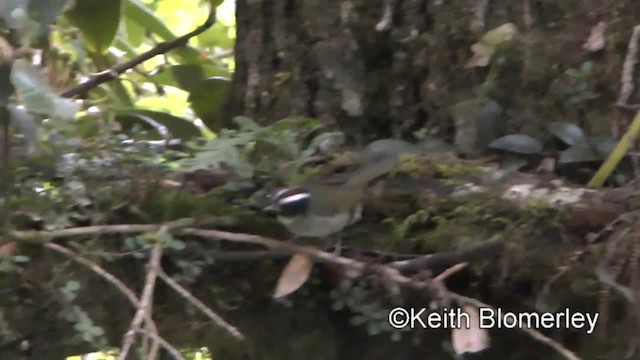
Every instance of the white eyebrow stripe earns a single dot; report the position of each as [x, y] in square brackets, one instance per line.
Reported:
[294, 198]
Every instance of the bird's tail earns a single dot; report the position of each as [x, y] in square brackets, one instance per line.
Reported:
[372, 169]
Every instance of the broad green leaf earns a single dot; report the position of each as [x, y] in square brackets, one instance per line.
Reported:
[97, 20]
[603, 145]
[206, 99]
[140, 13]
[166, 125]
[45, 12]
[246, 123]
[25, 123]
[186, 76]
[517, 143]
[570, 134]
[579, 153]
[218, 35]
[37, 95]
[135, 32]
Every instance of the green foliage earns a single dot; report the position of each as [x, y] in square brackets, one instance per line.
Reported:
[369, 304]
[97, 22]
[238, 150]
[578, 88]
[176, 95]
[576, 146]
[85, 327]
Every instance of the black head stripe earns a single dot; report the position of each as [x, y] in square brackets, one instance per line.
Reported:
[286, 192]
[294, 204]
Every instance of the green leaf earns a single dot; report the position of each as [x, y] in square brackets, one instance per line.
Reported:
[603, 145]
[217, 35]
[45, 12]
[98, 22]
[166, 125]
[246, 123]
[518, 143]
[135, 33]
[141, 14]
[37, 95]
[187, 76]
[579, 153]
[206, 100]
[570, 134]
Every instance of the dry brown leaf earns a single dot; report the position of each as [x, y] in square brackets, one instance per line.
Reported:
[8, 248]
[471, 340]
[597, 38]
[481, 55]
[294, 275]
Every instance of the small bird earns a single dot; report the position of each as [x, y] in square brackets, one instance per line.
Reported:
[324, 206]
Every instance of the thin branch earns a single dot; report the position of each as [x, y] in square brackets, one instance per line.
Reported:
[96, 269]
[128, 293]
[450, 271]
[45, 236]
[145, 299]
[165, 344]
[114, 72]
[627, 69]
[449, 258]
[201, 306]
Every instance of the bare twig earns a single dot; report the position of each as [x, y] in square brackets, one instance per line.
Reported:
[449, 258]
[450, 271]
[201, 306]
[145, 300]
[114, 72]
[154, 335]
[45, 236]
[131, 296]
[627, 70]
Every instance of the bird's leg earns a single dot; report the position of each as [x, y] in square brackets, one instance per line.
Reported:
[337, 250]
[335, 242]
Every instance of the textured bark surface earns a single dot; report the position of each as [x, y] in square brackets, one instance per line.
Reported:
[386, 67]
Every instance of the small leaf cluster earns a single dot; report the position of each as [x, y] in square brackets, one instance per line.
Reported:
[369, 304]
[568, 143]
[242, 149]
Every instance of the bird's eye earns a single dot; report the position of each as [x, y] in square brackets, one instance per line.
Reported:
[294, 205]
